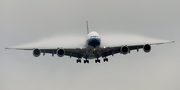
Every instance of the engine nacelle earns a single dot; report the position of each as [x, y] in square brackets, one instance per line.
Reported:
[36, 52]
[124, 50]
[60, 52]
[147, 48]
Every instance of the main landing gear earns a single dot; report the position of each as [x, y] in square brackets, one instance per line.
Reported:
[78, 60]
[86, 61]
[105, 59]
[97, 61]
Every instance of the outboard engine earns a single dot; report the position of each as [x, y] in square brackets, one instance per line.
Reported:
[60, 52]
[147, 48]
[124, 49]
[36, 52]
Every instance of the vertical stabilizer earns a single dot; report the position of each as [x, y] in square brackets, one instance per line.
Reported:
[87, 27]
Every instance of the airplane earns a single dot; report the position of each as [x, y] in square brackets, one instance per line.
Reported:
[93, 49]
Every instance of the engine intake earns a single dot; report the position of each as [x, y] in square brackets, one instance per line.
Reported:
[124, 50]
[147, 48]
[60, 52]
[36, 52]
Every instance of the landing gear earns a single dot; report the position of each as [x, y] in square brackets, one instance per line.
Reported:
[78, 60]
[97, 61]
[105, 59]
[86, 61]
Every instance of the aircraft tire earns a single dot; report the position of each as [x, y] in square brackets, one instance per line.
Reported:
[78, 61]
[86, 61]
[105, 59]
[97, 61]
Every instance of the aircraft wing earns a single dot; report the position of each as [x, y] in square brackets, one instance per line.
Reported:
[111, 50]
[103, 52]
[72, 52]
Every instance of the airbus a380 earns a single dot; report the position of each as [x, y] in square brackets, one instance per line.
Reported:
[92, 49]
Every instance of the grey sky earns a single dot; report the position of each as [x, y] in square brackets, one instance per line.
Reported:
[23, 21]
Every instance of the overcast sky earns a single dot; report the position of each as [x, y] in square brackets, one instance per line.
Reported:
[24, 21]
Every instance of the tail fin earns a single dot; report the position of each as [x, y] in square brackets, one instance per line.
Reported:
[87, 27]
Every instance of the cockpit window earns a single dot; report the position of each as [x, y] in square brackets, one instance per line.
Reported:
[93, 36]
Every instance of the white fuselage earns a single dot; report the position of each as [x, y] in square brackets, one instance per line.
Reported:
[92, 45]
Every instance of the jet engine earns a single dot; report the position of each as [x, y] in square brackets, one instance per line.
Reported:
[124, 49]
[147, 48]
[36, 52]
[60, 52]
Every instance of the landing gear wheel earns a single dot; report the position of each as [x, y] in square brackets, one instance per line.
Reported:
[105, 59]
[78, 61]
[97, 61]
[86, 61]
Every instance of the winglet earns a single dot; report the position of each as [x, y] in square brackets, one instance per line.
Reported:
[6, 49]
[173, 41]
[87, 27]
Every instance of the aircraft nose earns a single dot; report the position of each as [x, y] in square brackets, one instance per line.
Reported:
[94, 42]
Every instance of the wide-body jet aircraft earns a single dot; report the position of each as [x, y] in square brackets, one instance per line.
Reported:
[92, 49]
